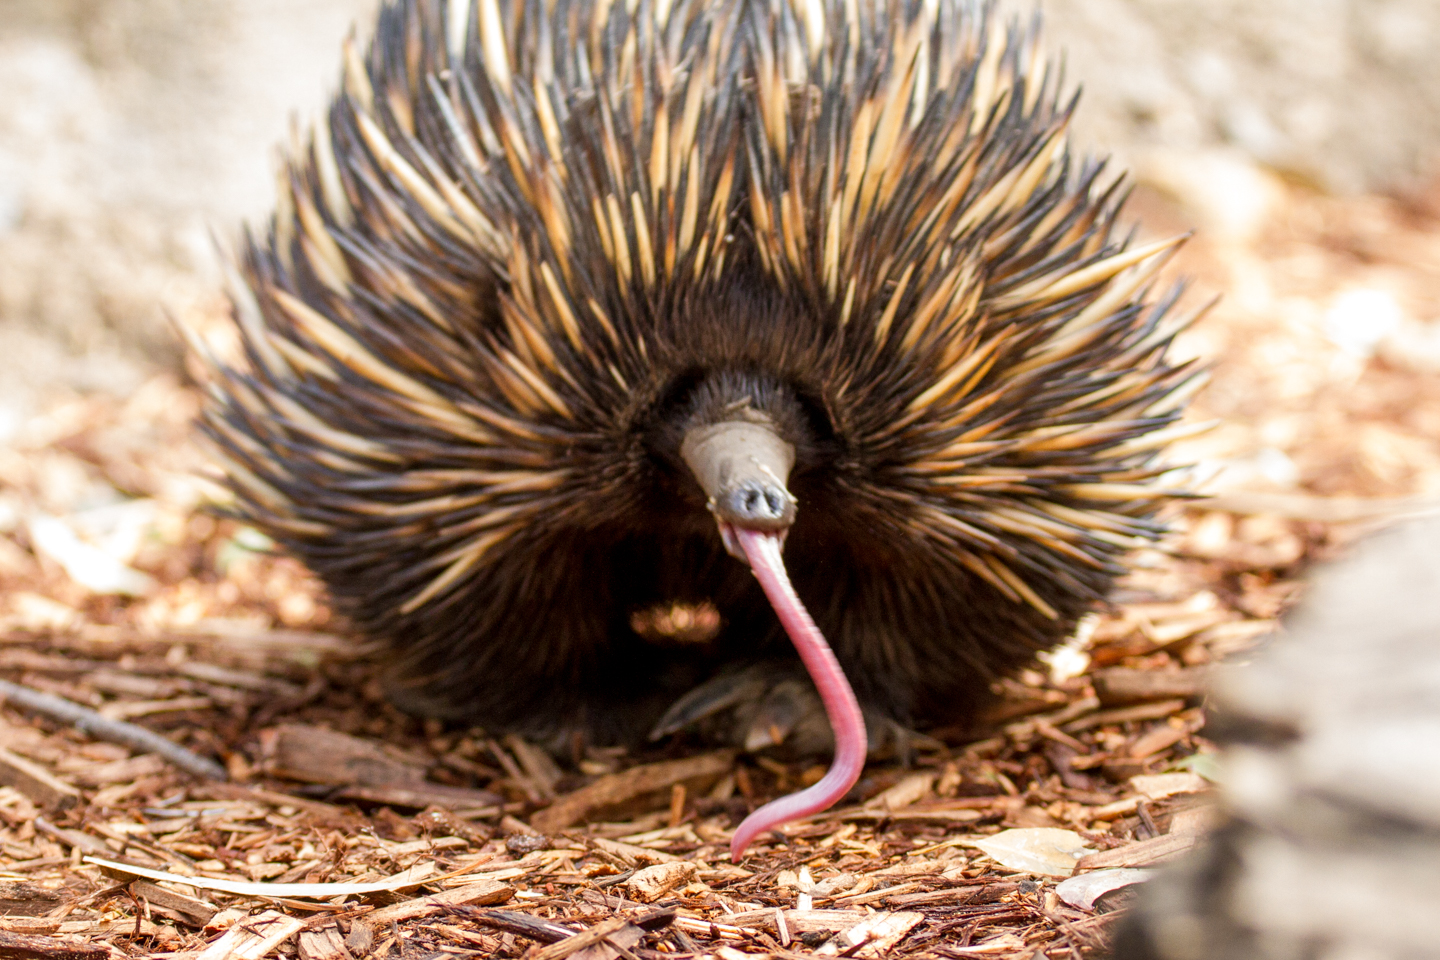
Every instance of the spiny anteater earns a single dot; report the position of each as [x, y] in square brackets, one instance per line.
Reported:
[560, 285]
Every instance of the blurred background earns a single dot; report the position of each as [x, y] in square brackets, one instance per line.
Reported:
[130, 130]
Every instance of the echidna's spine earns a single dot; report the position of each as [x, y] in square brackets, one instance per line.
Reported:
[515, 233]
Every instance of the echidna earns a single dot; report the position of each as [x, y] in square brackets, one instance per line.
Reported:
[566, 302]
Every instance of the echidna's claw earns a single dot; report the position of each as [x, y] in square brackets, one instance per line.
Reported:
[709, 698]
[784, 708]
[766, 705]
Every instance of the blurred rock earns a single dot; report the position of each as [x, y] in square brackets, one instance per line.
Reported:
[1330, 838]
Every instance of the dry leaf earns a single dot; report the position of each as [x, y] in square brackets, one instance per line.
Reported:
[1081, 892]
[1048, 851]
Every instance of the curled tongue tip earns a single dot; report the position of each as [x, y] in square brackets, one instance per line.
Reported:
[762, 550]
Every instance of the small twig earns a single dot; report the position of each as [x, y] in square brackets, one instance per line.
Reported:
[579, 941]
[624, 951]
[115, 731]
[656, 918]
[512, 922]
[775, 871]
[1143, 809]
[19, 945]
[553, 933]
[618, 878]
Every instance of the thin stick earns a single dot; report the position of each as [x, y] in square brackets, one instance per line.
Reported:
[115, 731]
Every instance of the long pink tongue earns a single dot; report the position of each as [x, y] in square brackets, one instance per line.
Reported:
[762, 549]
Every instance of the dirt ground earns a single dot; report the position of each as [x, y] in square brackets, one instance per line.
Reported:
[346, 829]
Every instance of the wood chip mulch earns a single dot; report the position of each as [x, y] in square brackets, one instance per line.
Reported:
[348, 830]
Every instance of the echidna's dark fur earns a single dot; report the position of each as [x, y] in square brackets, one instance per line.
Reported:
[534, 238]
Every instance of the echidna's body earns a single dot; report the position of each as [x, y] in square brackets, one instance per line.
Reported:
[536, 243]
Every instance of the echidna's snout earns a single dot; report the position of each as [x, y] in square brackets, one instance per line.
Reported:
[759, 504]
[743, 466]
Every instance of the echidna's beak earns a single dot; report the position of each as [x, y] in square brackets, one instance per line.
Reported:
[743, 467]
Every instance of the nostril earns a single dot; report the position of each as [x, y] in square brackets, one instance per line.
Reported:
[756, 505]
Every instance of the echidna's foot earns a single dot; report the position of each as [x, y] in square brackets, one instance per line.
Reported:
[773, 707]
